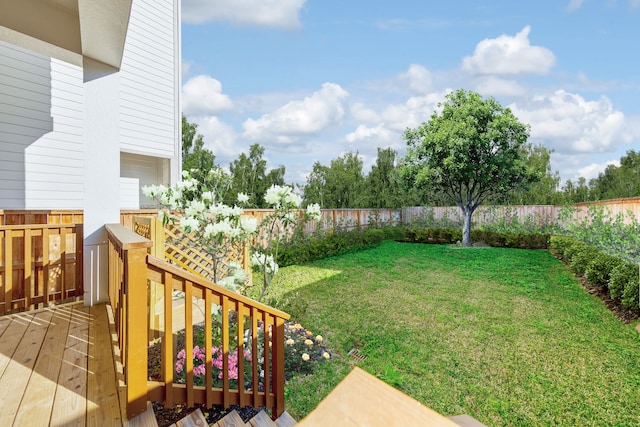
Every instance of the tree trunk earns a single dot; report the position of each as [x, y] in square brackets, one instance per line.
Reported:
[466, 227]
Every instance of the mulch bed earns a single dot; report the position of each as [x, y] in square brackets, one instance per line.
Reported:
[168, 416]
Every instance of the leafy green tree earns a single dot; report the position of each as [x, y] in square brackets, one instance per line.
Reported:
[314, 191]
[340, 185]
[194, 155]
[249, 176]
[618, 181]
[383, 187]
[471, 151]
[577, 192]
[546, 191]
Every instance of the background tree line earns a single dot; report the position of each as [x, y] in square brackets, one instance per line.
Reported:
[343, 183]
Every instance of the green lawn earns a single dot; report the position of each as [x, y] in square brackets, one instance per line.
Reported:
[505, 335]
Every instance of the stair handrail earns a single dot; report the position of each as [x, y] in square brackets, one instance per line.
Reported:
[131, 269]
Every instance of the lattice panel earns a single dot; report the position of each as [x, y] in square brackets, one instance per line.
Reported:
[185, 251]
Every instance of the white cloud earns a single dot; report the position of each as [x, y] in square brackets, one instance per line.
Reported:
[574, 5]
[219, 138]
[494, 86]
[202, 95]
[260, 13]
[593, 170]
[509, 55]
[315, 113]
[568, 123]
[379, 134]
[362, 113]
[418, 79]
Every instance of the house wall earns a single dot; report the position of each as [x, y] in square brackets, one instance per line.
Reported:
[41, 131]
[149, 81]
[146, 170]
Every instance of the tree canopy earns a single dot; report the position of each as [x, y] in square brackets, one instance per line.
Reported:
[470, 150]
[194, 155]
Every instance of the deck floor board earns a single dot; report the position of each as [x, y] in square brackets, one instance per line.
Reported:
[56, 368]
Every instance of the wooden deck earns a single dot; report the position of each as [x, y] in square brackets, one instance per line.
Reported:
[56, 368]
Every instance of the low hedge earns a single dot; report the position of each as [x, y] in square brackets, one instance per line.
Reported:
[303, 249]
[491, 238]
[599, 268]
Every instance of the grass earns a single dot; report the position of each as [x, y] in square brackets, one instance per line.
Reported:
[505, 335]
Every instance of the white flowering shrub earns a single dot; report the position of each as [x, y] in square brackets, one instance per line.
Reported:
[276, 227]
[195, 206]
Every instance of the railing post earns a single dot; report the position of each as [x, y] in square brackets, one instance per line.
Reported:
[135, 270]
[278, 366]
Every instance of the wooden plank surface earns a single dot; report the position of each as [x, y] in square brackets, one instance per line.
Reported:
[18, 372]
[69, 408]
[44, 356]
[363, 400]
[232, 419]
[103, 407]
[37, 401]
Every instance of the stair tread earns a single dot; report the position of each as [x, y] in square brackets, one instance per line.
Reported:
[262, 419]
[286, 420]
[194, 419]
[465, 420]
[232, 419]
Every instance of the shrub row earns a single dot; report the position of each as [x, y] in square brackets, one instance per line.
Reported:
[619, 276]
[321, 245]
[491, 238]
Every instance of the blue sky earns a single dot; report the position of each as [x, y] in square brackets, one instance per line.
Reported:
[312, 79]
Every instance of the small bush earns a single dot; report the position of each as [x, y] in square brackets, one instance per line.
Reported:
[623, 284]
[560, 243]
[571, 249]
[598, 271]
[582, 257]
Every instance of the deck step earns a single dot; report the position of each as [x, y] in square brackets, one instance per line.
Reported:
[233, 419]
[286, 420]
[262, 419]
[146, 419]
[465, 420]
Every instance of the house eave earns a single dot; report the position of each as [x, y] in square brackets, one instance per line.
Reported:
[69, 30]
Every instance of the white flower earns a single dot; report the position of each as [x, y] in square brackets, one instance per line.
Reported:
[242, 198]
[264, 261]
[249, 224]
[189, 223]
[207, 196]
[222, 227]
[289, 217]
[161, 215]
[185, 174]
[195, 207]
[313, 211]
[272, 196]
[236, 211]
[293, 200]
[208, 231]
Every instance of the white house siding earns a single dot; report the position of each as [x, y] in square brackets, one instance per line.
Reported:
[146, 170]
[41, 131]
[149, 81]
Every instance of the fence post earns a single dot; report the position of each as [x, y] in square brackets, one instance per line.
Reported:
[135, 270]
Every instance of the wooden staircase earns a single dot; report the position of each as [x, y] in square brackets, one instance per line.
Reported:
[232, 419]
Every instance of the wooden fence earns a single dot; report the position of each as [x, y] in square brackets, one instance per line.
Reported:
[248, 345]
[39, 264]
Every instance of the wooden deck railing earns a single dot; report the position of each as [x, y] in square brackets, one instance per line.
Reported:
[39, 264]
[247, 337]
